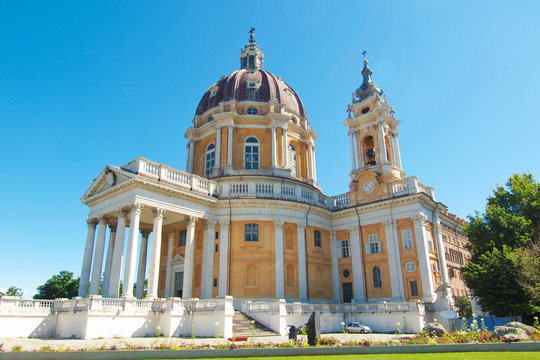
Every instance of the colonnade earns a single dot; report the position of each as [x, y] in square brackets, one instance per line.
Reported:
[311, 168]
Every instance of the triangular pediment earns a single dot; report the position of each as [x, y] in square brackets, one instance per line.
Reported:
[109, 177]
[178, 259]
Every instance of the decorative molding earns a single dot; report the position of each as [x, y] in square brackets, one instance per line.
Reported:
[122, 213]
[224, 225]
[301, 227]
[278, 224]
[209, 224]
[389, 223]
[419, 219]
[136, 208]
[353, 231]
[145, 232]
[92, 223]
[191, 220]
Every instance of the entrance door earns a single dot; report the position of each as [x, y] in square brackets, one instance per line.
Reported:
[347, 292]
[178, 283]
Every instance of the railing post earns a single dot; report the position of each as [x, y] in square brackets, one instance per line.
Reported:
[163, 169]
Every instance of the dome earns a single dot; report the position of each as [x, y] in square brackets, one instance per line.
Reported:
[251, 85]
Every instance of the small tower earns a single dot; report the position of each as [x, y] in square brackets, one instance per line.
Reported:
[372, 129]
[251, 57]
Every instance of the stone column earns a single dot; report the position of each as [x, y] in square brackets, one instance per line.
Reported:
[170, 249]
[274, 147]
[360, 150]
[310, 161]
[440, 249]
[208, 260]
[353, 152]
[188, 258]
[218, 147]
[108, 261]
[334, 246]
[423, 258]
[280, 288]
[229, 146]
[131, 251]
[97, 264]
[396, 146]
[383, 143]
[285, 149]
[358, 271]
[302, 273]
[116, 268]
[314, 163]
[394, 261]
[141, 270]
[87, 258]
[191, 151]
[155, 254]
[223, 256]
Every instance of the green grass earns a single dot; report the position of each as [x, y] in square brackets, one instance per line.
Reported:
[446, 356]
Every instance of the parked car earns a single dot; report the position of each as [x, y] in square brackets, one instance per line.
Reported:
[354, 327]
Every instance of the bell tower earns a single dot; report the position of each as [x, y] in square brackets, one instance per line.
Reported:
[373, 135]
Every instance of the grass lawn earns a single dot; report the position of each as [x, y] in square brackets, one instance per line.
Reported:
[529, 355]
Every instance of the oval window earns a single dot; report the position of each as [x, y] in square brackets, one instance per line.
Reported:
[346, 273]
[252, 111]
[410, 267]
[365, 110]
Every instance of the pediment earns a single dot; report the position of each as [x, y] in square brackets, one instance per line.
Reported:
[178, 259]
[108, 178]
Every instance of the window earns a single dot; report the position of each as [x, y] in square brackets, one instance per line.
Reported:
[317, 238]
[217, 235]
[292, 160]
[216, 248]
[251, 232]
[215, 282]
[374, 246]
[252, 62]
[210, 159]
[252, 111]
[346, 273]
[410, 266]
[407, 239]
[345, 249]
[251, 84]
[213, 91]
[430, 240]
[414, 288]
[377, 282]
[251, 153]
[182, 241]
[210, 118]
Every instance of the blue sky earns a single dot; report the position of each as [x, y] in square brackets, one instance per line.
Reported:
[83, 85]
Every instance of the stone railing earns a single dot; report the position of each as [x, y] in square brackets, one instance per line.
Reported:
[268, 187]
[14, 303]
[166, 174]
[380, 307]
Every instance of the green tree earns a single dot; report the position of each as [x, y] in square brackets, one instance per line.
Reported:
[62, 285]
[464, 305]
[504, 270]
[12, 291]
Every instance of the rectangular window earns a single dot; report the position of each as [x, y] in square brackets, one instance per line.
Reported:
[414, 288]
[215, 282]
[374, 246]
[317, 238]
[217, 235]
[182, 241]
[407, 239]
[217, 248]
[345, 249]
[251, 232]
[430, 240]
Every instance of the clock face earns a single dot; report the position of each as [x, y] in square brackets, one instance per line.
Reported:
[368, 187]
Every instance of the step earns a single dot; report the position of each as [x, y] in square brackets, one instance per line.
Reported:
[242, 326]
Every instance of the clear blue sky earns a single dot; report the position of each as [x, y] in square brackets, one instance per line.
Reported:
[83, 85]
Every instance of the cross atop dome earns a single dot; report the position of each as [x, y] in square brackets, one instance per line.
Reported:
[251, 57]
[368, 87]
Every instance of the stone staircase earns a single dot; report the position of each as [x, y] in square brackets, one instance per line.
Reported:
[242, 327]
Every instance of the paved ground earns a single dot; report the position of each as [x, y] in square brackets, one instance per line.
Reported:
[28, 344]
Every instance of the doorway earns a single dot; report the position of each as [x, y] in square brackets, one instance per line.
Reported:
[178, 283]
[347, 292]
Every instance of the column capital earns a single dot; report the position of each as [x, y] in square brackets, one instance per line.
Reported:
[209, 224]
[191, 221]
[145, 232]
[285, 128]
[224, 225]
[437, 225]
[104, 219]
[92, 223]
[158, 213]
[301, 227]
[278, 224]
[122, 213]
[395, 132]
[389, 223]
[112, 227]
[136, 208]
[333, 235]
[419, 219]
[354, 230]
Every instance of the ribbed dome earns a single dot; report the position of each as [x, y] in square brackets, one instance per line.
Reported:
[249, 85]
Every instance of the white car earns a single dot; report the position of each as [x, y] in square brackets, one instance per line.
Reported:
[354, 327]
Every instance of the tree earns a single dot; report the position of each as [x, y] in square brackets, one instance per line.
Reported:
[504, 269]
[62, 285]
[12, 291]
[464, 305]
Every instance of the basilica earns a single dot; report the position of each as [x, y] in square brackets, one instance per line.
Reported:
[247, 223]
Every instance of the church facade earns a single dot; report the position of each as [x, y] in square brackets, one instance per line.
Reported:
[248, 219]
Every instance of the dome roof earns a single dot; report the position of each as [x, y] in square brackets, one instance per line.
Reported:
[251, 85]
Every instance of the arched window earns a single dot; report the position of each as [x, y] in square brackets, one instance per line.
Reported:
[292, 160]
[251, 153]
[210, 160]
[377, 282]
[369, 151]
